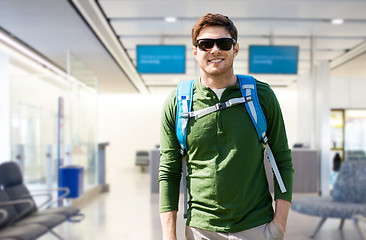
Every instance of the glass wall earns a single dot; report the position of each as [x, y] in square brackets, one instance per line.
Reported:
[348, 133]
[355, 134]
[83, 119]
[348, 138]
[337, 143]
[34, 95]
[33, 119]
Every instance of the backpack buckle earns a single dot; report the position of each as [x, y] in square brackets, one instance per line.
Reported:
[182, 151]
[220, 106]
[264, 138]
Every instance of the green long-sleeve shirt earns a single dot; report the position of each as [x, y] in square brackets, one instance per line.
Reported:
[226, 178]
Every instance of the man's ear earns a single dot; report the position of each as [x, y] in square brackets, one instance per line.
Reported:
[236, 49]
[194, 51]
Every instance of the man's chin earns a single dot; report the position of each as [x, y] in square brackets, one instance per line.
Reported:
[216, 72]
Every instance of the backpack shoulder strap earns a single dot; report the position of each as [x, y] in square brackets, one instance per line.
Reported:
[184, 106]
[248, 88]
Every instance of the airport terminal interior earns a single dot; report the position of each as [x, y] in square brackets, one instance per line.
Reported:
[83, 83]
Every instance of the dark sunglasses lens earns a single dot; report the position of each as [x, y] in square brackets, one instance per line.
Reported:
[224, 44]
[204, 45]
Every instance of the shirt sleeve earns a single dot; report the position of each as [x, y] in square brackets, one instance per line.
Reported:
[170, 168]
[278, 143]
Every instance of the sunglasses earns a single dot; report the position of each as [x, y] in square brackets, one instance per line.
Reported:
[224, 44]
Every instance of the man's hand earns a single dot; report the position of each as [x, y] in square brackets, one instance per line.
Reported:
[281, 213]
[168, 223]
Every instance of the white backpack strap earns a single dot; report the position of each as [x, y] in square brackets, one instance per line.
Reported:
[219, 106]
[274, 167]
[185, 189]
[248, 93]
[185, 103]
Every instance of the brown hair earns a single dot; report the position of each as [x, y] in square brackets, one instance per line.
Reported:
[214, 20]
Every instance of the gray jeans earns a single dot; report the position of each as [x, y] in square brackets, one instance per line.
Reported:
[268, 231]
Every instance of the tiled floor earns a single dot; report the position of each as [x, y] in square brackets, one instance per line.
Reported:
[129, 212]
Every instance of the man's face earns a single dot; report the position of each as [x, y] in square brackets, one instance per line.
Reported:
[214, 61]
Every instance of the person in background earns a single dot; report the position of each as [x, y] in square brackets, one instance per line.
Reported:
[336, 162]
[227, 184]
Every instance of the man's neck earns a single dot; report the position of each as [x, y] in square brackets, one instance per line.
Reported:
[218, 81]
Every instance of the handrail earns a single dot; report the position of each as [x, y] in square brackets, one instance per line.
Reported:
[4, 216]
[49, 204]
[23, 213]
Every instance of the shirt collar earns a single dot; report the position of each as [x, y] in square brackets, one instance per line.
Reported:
[202, 87]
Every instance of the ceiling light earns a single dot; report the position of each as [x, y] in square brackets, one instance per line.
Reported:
[25, 51]
[18, 50]
[170, 19]
[337, 21]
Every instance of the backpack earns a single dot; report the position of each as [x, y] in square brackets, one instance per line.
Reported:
[250, 99]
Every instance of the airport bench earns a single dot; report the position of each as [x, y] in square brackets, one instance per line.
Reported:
[347, 201]
[24, 219]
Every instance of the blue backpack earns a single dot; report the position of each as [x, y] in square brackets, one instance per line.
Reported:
[249, 98]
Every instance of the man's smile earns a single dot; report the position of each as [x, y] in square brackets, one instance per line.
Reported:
[216, 60]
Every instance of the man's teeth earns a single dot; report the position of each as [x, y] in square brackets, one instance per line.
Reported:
[216, 60]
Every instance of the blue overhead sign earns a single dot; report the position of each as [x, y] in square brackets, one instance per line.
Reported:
[161, 59]
[273, 59]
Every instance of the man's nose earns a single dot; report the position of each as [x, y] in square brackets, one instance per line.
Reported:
[215, 48]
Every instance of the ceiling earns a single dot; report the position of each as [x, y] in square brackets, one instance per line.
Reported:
[51, 28]
[103, 34]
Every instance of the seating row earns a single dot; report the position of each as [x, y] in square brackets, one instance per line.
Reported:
[348, 199]
[20, 217]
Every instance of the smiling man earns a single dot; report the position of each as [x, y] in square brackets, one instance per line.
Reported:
[228, 190]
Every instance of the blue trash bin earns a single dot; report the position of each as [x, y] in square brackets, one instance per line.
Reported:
[72, 177]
